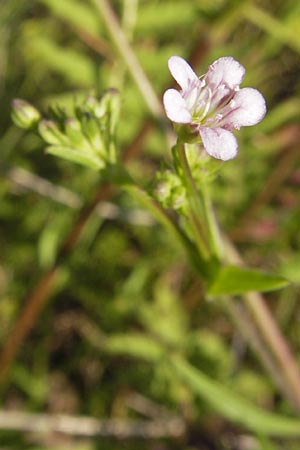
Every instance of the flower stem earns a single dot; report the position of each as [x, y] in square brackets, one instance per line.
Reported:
[195, 207]
[212, 225]
[201, 211]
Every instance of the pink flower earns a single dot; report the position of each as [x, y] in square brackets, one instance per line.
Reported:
[213, 105]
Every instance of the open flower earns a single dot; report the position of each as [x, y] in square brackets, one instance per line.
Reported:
[213, 105]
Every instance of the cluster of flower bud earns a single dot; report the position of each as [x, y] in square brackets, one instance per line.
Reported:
[170, 191]
[171, 188]
[86, 137]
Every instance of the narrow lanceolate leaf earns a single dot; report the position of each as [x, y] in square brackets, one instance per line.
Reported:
[232, 406]
[233, 280]
[76, 156]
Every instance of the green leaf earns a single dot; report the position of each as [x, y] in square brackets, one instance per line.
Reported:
[231, 405]
[76, 156]
[233, 280]
[136, 345]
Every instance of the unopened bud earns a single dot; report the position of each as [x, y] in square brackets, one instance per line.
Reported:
[73, 131]
[24, 114]
[92, 105]
[170, 192]
[51, 133]
[110, 105]
[92, 131]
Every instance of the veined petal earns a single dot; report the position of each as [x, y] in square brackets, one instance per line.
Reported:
[182, 72]
[219, 143]
[225, 70]
[175, 107]
[249, 108]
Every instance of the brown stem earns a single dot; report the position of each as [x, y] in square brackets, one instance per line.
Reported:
[271, 334]
[276, 343]
[254, 339]
[26, 319]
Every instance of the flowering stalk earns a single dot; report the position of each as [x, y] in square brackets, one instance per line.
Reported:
[205, 112]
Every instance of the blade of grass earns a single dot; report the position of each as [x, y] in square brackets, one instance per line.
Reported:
[232, 406]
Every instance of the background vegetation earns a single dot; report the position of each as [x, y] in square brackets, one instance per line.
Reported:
[109, 286]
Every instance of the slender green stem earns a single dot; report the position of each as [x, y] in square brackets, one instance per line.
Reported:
[212, 225]
[195, 204]
[201, 208]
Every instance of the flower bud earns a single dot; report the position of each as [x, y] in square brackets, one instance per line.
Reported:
[170, 191]
[110, 103]
[92, 130]
[24, 114]
[73, 130]
[50, 132]
[93, 106]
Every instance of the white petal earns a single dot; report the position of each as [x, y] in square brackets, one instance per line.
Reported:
[182, 72]
[219, 143]
[225, 70]
[176, 108]
[249, 108]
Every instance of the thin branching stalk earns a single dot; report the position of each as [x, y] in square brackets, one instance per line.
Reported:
[277, 344]
[271, 335]
[250, 333]
[121, 43]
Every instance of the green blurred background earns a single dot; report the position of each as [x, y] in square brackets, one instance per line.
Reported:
[126, 277]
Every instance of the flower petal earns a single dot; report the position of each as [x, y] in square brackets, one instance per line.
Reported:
[182, 72]
[219, 143]
[225, 70]
[175, 107]
[249, 108]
